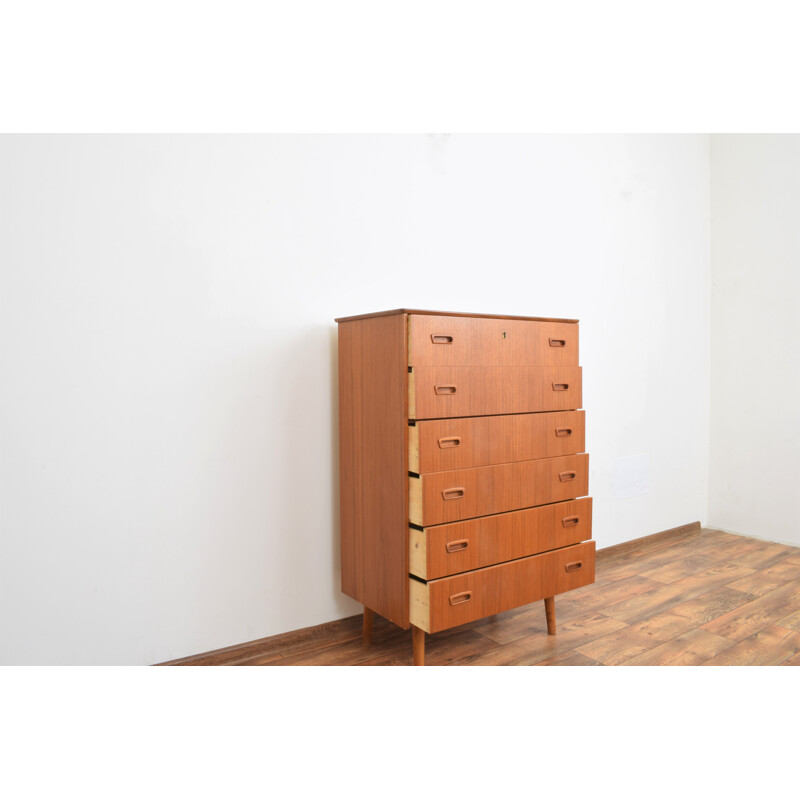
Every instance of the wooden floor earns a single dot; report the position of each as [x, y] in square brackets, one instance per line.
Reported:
[689, 596]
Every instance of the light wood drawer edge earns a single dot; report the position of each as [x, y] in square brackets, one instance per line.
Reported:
[415, 500]
[412, 396]
[413, 448]
[419, 605]
[418, 553]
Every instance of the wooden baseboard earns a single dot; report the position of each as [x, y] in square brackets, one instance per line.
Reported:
[351, 626]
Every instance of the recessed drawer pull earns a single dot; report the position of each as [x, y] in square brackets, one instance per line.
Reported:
[569, 522]
[461, 597]
[454, 547]
[557, 342]
[560, 387]
[444, 389]
[440, 338]
[453, 494]
[573, 566]
[563, 431]
[449, 441]
[567, 476]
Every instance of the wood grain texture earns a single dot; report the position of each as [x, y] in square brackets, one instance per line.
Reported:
[536, 647]
[767, 580]
[479, 391]
[689, 649]
[572, 658]
[791, 621]
[373, 469]
[449, 341]
[473, 595]
[467, 493]
[771, 645]
[658, 600]
[461, 546]
[449, 314]
[519, 635]
[714, 548]
[465, 442]
[747, 619]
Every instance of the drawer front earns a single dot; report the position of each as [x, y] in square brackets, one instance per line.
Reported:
[441, 497]
[462, 546]
[439, 445]
[437, 392]
[469, 341]
[459, 599]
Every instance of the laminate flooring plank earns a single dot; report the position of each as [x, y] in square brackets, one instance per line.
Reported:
[578, 603]
[637, 638]
[521, 626]
[771, 646]
[689, 649]
[765, 556]
[699, 560]
[572, 658]
[711, 605]
[792, 621]
[533, 649]
[618, 646]
[671, 594]
[716, 550]
[625, 568]
[767, 580]
[740, 623]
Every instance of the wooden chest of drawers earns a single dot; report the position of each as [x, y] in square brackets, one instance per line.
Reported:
[461, 466]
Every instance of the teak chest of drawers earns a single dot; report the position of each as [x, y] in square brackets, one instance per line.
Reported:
[461, 467]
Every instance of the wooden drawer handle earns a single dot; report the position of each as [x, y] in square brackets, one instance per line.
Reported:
[454, 547]
[453, 494]
[569, 522]
[573, 566]
[560, 387]
[563, 431]
[441, 338]
[461, 597]
[567, 476]
[558, 342]
[449, 441]
[444, 389]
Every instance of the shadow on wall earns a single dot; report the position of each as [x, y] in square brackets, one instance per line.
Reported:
[304, 538]
[336, 531]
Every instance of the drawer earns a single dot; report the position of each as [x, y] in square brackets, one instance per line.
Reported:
[462, 546]
[437, 445]
[441, 497]
[468, 341]
[459, 599]
[436, 392]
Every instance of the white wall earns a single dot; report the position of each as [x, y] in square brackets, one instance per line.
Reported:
[755, 380]
[168, 354]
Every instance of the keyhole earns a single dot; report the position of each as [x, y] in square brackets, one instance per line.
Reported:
[504, 334]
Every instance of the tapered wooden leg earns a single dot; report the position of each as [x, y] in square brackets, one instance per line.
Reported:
[366, 632]
[550, 613]
[418, 637]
